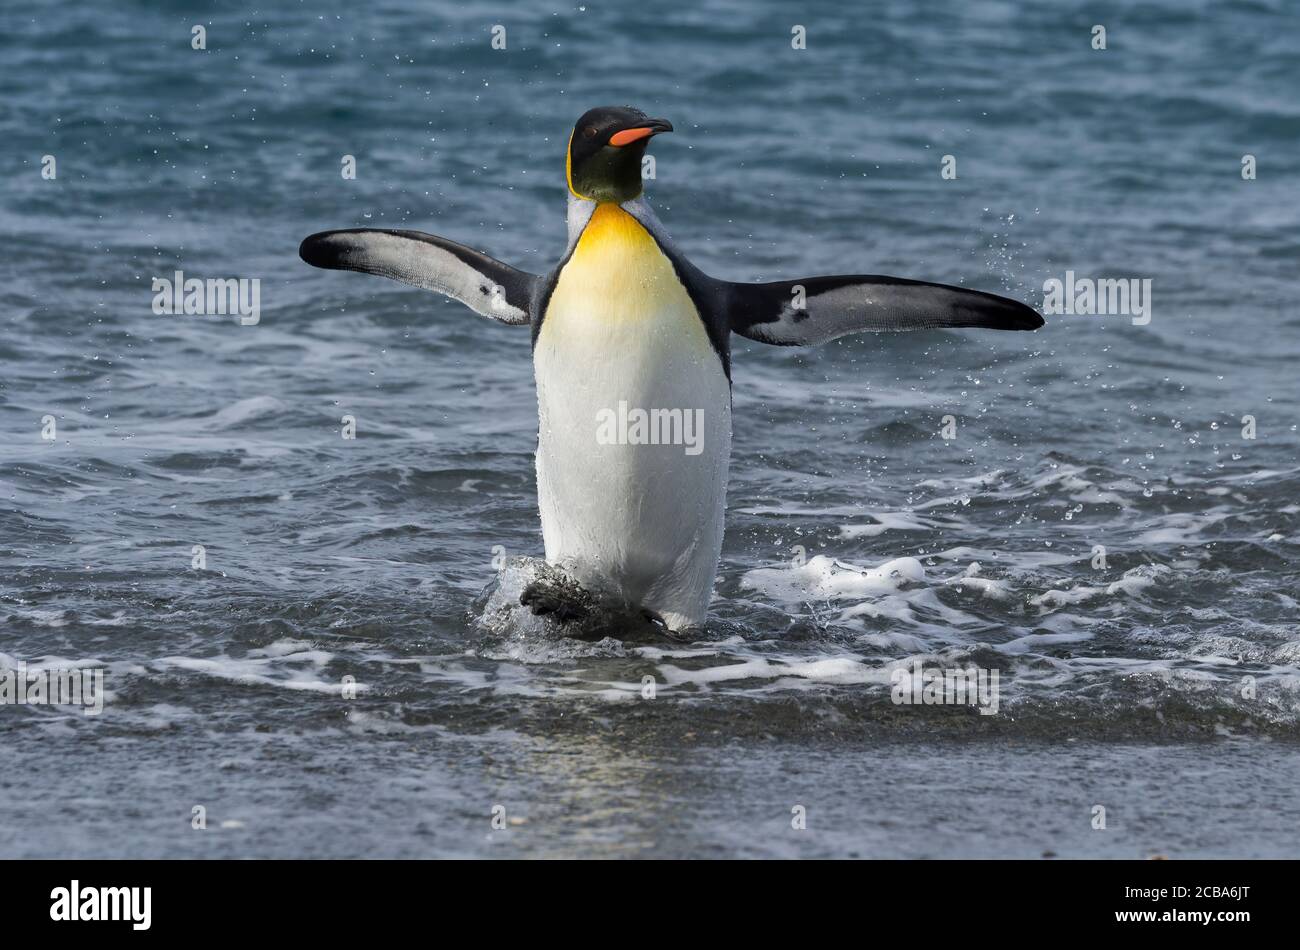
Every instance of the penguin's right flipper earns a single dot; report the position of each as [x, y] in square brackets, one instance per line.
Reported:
[483, 284]
[811, 310]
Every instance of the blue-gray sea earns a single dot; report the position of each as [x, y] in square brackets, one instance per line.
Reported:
[341, 674]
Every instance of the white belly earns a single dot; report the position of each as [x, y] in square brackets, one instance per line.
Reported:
[635, 427]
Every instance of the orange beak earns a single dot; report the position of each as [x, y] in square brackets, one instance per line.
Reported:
[628, 136]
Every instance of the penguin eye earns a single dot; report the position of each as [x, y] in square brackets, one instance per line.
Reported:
[589, 132]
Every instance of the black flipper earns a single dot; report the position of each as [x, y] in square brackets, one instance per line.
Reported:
[837, 306]
[485, 285]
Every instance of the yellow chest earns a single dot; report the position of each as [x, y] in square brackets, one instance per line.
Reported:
[617, 283]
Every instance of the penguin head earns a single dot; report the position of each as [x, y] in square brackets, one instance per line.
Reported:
[605, 150]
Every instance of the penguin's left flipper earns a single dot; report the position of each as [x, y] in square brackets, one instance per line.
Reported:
[483, 284]
[810, 310]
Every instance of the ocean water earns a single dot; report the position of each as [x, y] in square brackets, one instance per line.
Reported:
[1159, 680]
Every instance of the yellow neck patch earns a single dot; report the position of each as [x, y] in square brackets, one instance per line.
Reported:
[613, 232]
[617, 275]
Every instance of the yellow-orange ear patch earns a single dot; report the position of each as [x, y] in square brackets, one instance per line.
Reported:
[568, 166]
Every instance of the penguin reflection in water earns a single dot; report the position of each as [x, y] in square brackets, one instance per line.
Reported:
[631, 351]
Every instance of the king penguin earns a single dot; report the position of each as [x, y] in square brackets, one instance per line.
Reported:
[631, 353]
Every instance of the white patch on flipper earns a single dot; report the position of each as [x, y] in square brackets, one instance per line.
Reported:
[428, 266]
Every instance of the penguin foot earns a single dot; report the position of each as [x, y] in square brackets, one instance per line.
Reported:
[582, 614]
[652, 618]
[566, 603]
